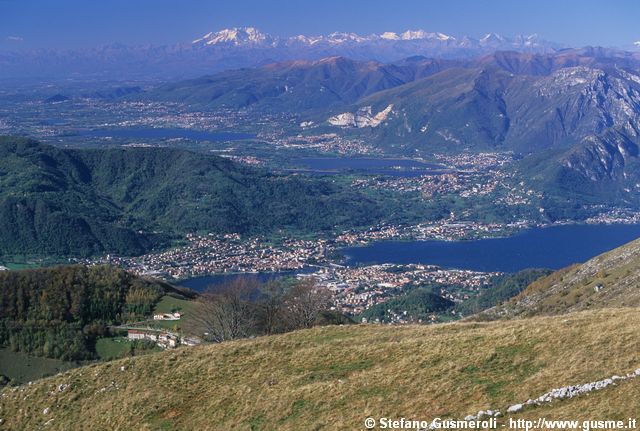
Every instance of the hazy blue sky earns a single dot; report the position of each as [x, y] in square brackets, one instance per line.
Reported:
[83, 23]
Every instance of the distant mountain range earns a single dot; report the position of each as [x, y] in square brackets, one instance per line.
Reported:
[412, 40]
[248, 47]
[579, 108]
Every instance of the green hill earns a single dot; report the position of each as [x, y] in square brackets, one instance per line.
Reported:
[83, 202]
[502, 288]
[335, 377]
[415, 306]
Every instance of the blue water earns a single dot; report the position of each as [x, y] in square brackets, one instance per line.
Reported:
[553, 247]
[371, 166]
[200, 284]
[167, 133]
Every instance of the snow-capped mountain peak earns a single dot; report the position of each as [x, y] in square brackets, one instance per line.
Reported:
[414, 34]
[636, 43]
[340, 37]
[422, 34]
[491, 38]
[235, 36]
[410, 40]
[390, 35]
[444, 37]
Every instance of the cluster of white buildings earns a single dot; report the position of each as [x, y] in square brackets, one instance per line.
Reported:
[355, 289]
[164, 339]
[167, 316]
[210, 254]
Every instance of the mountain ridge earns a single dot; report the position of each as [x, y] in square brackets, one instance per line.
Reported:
[251, 36]
[65, 202]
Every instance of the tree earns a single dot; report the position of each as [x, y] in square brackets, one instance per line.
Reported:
[303, 304]
[226, 312]
[246, 307]
[271, 308]
[59, 312]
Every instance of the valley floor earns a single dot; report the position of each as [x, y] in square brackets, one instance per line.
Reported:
[335, 377]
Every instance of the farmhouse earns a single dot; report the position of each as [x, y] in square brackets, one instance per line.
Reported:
[136, 334]
[167, 316]
[164, 339]
[167, 340]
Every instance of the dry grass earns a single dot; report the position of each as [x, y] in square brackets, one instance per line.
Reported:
[610, 280]
[334, 377]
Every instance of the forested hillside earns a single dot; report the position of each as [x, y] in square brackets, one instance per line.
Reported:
[59, 312]
[84, 202]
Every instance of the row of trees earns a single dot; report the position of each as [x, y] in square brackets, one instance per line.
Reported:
[246, 307]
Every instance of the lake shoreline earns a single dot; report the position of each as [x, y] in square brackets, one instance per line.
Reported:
[624, 232]
[544, 239]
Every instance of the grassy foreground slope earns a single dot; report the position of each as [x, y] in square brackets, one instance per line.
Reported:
[611, 279]
[335, 377]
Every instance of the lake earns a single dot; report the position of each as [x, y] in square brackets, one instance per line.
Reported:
[367, 165]
[552, 247]
[166, 133]
[202, 283]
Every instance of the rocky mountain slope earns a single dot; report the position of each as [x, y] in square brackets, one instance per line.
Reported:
[598, 170]
[488, 106]
[335, 377]
[574, 115]
[609, 280]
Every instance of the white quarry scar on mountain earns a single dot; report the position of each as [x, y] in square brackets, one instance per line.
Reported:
[363, 117]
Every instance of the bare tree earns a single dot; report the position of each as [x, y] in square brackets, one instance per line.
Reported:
[244, 307]
[271, 310]
[225, 312]
[304, 302]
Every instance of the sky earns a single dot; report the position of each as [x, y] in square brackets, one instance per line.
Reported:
[65, 24]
